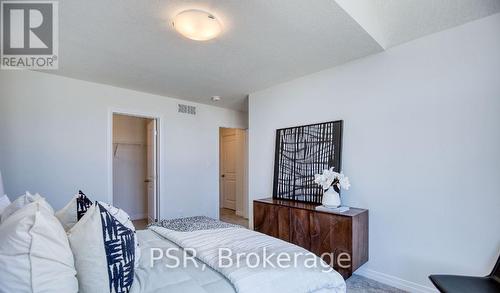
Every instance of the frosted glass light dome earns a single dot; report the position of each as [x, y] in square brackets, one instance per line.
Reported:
[197, 25]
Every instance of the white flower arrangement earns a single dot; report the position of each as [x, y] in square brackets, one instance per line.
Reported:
[331, 178]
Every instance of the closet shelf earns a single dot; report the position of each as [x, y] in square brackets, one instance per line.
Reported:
[117, 144]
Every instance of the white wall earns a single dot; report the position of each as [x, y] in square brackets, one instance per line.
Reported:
[54, 140]
[130, 165]
[421, 147]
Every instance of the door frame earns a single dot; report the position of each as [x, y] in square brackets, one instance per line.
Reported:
[160, 152]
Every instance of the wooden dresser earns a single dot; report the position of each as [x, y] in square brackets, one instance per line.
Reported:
[343, 236]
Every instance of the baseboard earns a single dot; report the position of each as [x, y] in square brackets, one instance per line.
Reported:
[394, 281]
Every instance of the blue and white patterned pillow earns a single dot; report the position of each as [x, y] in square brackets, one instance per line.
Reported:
[74, 210]
[105, 249]
[82, 204]
[119, 243]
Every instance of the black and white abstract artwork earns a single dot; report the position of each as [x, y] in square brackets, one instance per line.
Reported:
[302, 152]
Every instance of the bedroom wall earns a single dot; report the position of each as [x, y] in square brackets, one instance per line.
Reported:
[54, 140]
[421, 147]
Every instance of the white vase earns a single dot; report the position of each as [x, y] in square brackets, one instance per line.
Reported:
[331, 198]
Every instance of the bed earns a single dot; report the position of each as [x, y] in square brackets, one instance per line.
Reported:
[159, 278]
[205, 274]
[102, 252]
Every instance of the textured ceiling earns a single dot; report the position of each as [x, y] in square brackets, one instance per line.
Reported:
[132, 44]
[392, 22]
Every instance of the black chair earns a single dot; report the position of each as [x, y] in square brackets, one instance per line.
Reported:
[466, 284]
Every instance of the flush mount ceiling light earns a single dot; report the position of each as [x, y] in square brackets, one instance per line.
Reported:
[215, 98]
[197, 25]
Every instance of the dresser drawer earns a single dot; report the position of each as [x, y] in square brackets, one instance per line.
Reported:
[341, 239]
[272, 220]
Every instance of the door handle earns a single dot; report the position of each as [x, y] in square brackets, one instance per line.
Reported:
[223, 175]
[147, 181]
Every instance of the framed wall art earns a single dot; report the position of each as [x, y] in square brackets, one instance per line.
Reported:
[301, 152]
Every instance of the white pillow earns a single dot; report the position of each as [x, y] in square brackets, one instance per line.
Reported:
[74, 210]
[4, 202]
[34, 252]
[22, 201]
[104, 244]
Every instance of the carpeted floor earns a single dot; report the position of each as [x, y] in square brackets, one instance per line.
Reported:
[358, 284]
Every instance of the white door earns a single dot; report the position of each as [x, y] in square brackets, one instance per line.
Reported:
[228, 168]
[151, 169]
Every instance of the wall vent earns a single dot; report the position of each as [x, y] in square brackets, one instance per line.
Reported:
[191, 110]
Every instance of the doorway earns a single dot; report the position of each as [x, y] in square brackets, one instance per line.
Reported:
[135, 167]
[233, 176]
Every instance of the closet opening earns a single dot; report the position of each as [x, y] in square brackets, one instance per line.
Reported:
[135, 167]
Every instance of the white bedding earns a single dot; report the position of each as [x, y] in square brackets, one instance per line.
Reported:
[245, 279]
[160, 279]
